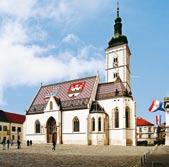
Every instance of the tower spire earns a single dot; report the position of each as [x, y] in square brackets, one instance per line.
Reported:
[118, 9]
[118, 37]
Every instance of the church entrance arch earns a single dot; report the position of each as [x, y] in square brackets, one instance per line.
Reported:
[51, 130]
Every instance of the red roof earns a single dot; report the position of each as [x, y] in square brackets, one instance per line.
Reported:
[142, 122]
[14, 118]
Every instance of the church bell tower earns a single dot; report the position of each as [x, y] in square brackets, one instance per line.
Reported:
[118, 55]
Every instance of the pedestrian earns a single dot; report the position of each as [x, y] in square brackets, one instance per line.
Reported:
[54, 144]
[30, 142]
[11, 142]
[4, 143]
[8, 142]
[27, 142]
[18, 144]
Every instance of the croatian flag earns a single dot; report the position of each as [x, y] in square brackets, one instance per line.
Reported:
[158, 120]
[156, 105]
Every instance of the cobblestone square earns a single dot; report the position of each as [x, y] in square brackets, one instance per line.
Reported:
[42, 155]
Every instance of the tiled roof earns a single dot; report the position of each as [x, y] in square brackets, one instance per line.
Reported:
[142, 122]
[60, 91]
[111, 89]
[12, 117]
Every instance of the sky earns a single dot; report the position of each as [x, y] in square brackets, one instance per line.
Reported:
[44, 41]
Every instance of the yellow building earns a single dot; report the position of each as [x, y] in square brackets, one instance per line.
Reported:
[11, 126]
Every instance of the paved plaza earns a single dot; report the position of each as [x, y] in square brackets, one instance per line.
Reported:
[72, 155]
[159, 157]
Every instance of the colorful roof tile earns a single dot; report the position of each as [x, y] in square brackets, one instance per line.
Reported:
[61, 91]
[111, 89]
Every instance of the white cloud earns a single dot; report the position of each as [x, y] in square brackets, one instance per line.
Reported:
[25, 63]
[21, 64]
[17, 8]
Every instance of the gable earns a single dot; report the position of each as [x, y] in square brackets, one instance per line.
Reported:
[55, 104]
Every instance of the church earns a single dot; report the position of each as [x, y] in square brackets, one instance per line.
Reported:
[85, 111]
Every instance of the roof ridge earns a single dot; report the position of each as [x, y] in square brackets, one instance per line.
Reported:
[13, 113]
[73, 80]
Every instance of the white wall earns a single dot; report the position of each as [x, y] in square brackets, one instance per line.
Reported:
[119, 136]
[70, 137]
[123, 54]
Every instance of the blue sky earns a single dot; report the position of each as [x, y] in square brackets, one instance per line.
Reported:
[45, 41]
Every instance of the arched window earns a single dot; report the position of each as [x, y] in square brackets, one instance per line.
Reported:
[99, 124]
[37, 126]
[93, 124]
[76, 124]
[127, 117]
[116, 118]
[51, 105]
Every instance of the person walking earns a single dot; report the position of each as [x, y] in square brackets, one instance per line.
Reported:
[54, 141]
[4, 143]
[8, 142]
[18, 144]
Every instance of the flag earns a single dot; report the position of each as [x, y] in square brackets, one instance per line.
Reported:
[158, 120]
[156, 105]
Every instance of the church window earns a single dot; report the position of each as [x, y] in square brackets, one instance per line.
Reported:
[37, 126]
[115, 75]
[76, 124]
[127, 117]
[93, 124]
[115, 62]
[116, 117]
[51, 105]
[99, 124]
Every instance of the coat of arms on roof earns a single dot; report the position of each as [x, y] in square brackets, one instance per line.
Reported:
[76, 88]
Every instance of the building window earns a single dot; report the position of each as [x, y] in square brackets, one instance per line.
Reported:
[149, 129]
[4, 128]
[51, 105]
[0, 128]
[13, 128]
[116, 118]
[127, 117]
[93, 124]
[76, 124]
[149, 136]
[140, 136]
[140, 129]
[13, 137]
[115, 75]
[99, 124]
[115, 62]
[19, 129]
[37, 126]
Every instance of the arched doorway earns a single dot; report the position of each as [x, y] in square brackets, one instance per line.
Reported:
[51, 129]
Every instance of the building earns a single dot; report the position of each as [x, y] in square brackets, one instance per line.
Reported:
[166, 106]
[146, 131]
[85, 111]
[11, 125]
